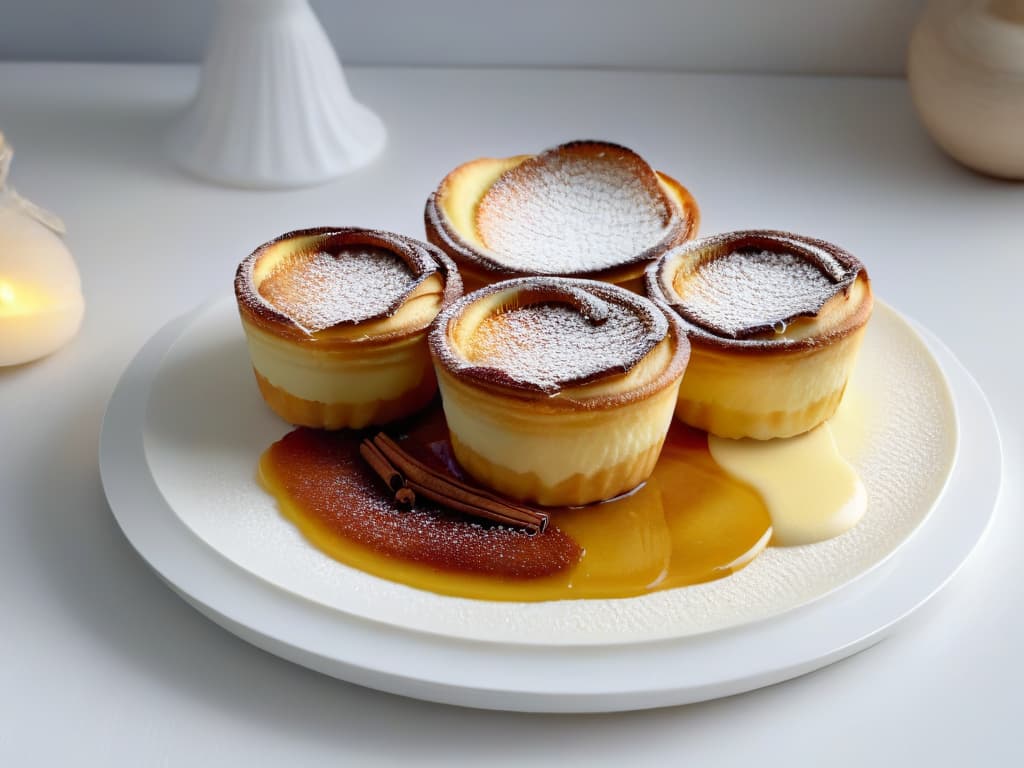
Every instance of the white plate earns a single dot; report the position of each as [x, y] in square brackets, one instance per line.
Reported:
[206, 426]
[303, 610]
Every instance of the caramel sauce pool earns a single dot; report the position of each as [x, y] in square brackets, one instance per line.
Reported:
[690, 523]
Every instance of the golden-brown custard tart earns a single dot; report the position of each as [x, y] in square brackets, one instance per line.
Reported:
[336, 321]
[585, 209]
[558, 391]
[775, 321]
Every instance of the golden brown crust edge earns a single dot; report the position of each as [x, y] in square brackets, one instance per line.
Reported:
[424, 260]
[654, 289]
[446, 360]
[480, 269]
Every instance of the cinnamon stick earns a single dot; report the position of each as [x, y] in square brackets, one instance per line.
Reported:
[379, 463]
[406, 475]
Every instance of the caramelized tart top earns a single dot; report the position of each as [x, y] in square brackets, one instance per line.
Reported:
[763, 289]
[345, 283]
[581, 341]
[586, 208]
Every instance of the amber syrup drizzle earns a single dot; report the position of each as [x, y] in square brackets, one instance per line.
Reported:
[689, 523]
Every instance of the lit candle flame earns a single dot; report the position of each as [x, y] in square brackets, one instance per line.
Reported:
[17, 299]
[7, 294]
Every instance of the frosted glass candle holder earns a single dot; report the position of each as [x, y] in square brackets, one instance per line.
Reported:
[41, 304]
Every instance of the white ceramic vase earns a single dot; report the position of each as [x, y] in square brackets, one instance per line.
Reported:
[273, 108]
[966, 72]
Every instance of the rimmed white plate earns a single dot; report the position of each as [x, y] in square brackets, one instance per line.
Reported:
[206, 426]
[175, 486]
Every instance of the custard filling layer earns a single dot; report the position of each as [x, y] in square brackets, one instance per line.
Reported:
[379, 372]
[775, 321]
[555, 447]
[557, 390]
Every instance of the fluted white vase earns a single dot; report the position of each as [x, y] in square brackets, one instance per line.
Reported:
[966, 73]
[273, 108]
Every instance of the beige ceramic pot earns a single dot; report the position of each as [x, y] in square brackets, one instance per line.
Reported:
[966, 72]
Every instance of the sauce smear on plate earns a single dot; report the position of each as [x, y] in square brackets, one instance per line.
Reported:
[689, 523]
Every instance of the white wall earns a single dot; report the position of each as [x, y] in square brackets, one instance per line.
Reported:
[842, 36]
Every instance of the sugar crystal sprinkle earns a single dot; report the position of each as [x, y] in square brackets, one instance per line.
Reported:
[319, 290]
[547, 344]
[571, 213]
[754, 289]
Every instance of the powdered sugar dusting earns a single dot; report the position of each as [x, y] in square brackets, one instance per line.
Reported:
[319, 290]
[548, 344]
[574, 209]
[747, 292]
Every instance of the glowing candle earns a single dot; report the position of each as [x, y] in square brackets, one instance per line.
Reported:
[41, 303]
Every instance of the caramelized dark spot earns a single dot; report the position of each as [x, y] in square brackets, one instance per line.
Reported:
[323, 473]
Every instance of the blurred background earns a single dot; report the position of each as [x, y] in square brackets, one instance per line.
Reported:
[845, 37]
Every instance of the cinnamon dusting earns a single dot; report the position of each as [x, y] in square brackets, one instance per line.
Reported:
[688, 524]
[312, 470]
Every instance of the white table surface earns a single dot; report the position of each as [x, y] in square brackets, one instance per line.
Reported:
[101, 664]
